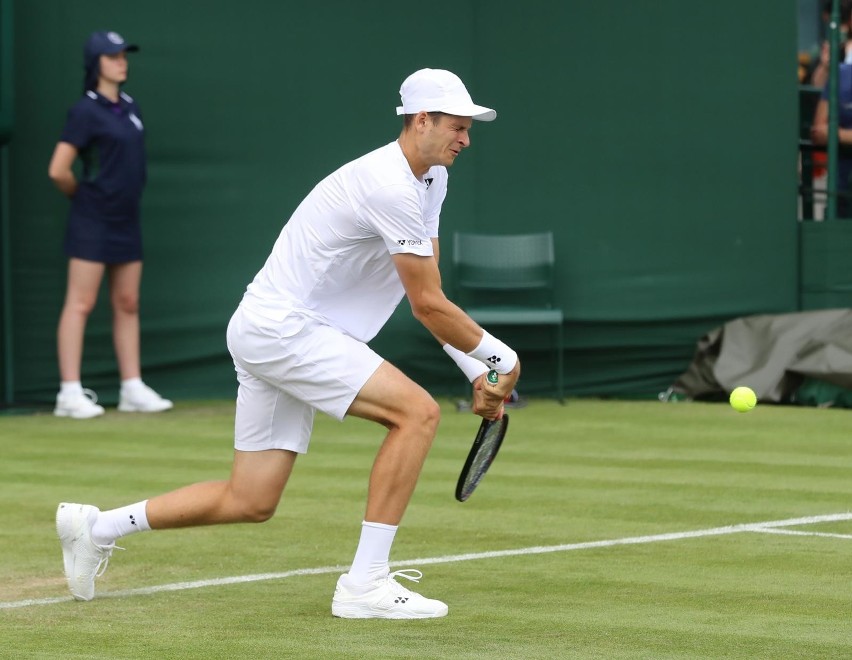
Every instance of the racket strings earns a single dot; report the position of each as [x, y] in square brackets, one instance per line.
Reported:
[481, 460]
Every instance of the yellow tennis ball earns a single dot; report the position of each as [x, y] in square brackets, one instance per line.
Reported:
[743, 399]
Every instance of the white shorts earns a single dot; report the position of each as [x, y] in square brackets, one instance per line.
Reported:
[287, 370]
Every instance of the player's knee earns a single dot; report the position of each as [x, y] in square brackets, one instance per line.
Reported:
[258, 512]
[425, 415]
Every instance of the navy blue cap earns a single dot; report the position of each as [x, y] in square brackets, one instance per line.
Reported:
[104, 43]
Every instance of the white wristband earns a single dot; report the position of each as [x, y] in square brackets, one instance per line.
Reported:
[495, 354]
[471, 367]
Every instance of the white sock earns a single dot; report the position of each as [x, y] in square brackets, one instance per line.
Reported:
[70, 387]
[112, 525]
[131, 384]
[373, 553]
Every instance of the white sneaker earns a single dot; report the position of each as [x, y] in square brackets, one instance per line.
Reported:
[80, 405]
[84, 559]
[142, 399]
[384, 599]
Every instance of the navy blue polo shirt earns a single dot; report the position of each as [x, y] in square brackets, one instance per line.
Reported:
[110, 139]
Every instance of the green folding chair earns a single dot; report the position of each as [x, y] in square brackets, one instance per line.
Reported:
[508, 280]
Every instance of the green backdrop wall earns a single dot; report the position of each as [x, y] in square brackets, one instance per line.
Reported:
[657, 139]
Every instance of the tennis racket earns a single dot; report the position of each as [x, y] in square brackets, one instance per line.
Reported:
[485, 447]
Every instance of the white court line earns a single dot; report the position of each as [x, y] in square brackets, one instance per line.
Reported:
[767, 526]
[798, 532]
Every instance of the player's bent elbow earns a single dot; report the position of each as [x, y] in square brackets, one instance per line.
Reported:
[425, 310]
[419, 309]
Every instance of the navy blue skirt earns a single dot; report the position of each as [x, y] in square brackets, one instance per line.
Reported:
[107, 241]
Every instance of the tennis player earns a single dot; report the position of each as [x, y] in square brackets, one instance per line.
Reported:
[364, 237]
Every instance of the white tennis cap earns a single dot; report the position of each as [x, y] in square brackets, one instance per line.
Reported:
[437, 90]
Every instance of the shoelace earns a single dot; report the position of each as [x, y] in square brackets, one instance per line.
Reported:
[409, 574]
[106, 553]
[90, 394]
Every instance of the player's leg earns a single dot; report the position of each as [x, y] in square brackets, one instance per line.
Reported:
[250, 495]
[81, 294]
[88, 535]
[135, 396]
[411, 416]
[271, 428]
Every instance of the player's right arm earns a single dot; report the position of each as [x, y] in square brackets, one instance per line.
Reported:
[60, 171]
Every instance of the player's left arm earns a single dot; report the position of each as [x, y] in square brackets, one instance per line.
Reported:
[446, 321]
[421, 280]
[483, 398]
[436, 253]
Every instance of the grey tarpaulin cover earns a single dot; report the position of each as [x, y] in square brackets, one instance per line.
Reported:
[772, 354]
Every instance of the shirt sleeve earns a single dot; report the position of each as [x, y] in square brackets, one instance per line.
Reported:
[78, 127]
[394, 213]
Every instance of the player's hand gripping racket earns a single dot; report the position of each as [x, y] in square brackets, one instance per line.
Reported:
[485, 447]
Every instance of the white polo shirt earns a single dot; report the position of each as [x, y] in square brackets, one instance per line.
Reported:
[332, 261]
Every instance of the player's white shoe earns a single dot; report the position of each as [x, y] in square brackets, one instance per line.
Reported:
[384, 599]
[80, 405]
[142, 399]
[83, 558]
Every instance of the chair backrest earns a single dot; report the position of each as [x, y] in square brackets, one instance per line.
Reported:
[508, 268]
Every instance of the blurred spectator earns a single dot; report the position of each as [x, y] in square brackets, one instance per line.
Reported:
[819, 134]
[819, 75]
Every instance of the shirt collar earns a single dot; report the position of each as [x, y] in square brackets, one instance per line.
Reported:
[123, 99]
[426, 181]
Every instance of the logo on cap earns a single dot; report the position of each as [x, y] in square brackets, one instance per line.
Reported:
[115, 38]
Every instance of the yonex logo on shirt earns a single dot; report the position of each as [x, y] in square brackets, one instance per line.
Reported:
[417, 241]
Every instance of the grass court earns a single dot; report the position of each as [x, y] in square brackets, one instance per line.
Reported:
[604, 529]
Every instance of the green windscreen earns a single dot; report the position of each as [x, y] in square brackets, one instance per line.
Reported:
[656, 140]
